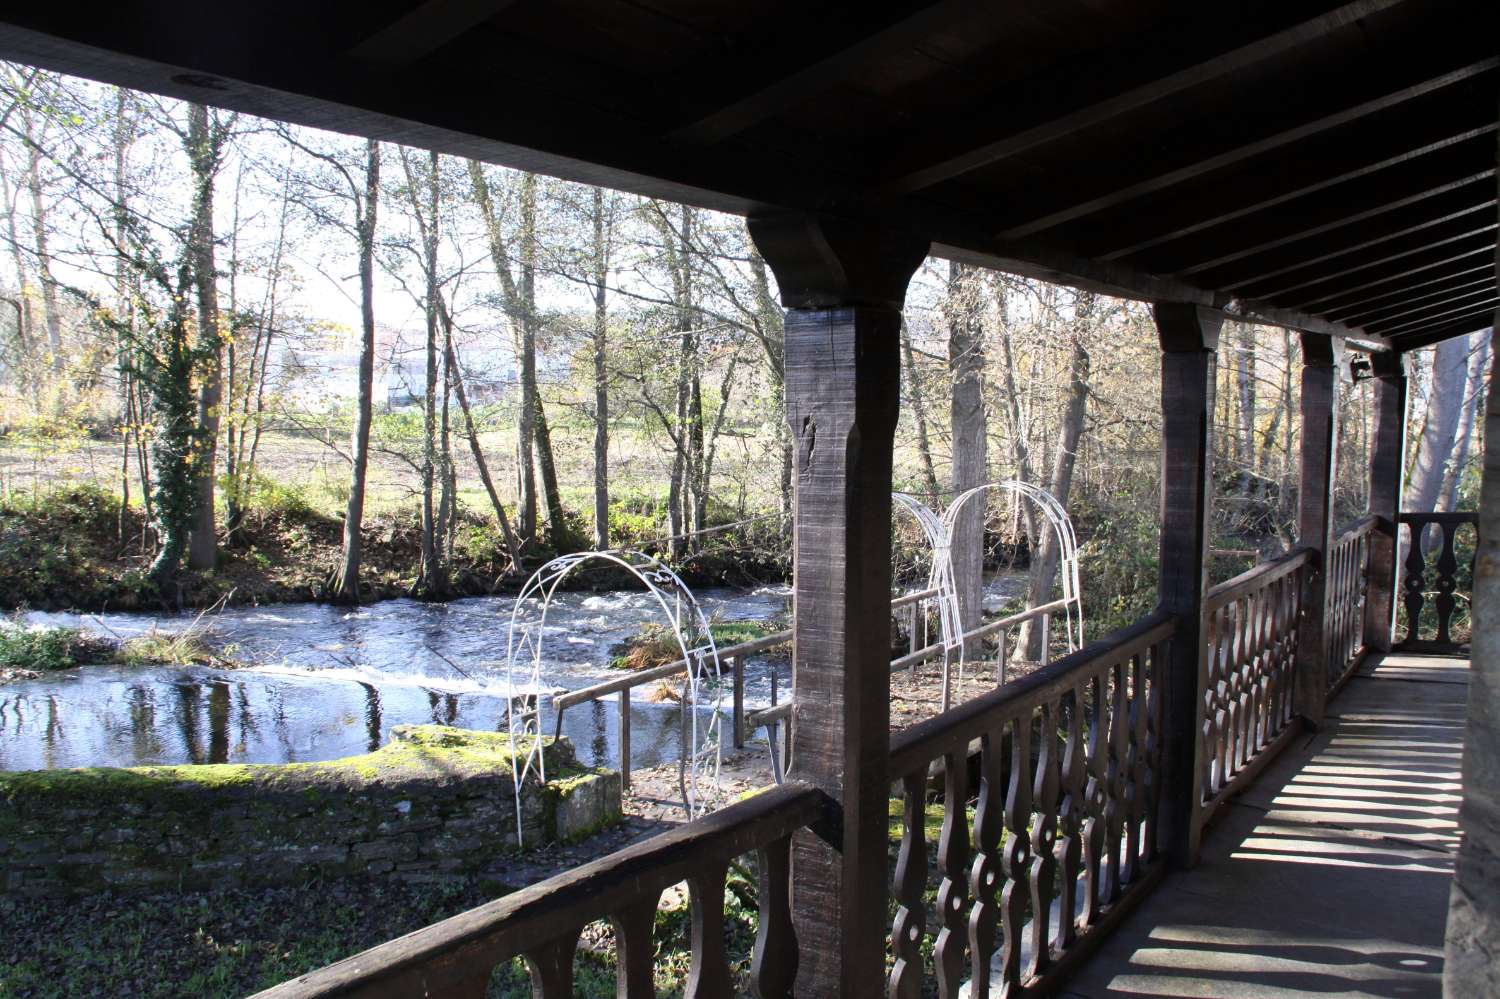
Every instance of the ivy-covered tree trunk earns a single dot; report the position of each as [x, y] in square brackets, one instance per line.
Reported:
[203, 153]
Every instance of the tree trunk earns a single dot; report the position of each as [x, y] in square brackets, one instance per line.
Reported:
[1445, 402]
[345, 588]
[1047, 553]
[970, 437]
[511, 544]
[1479, 363]
[919, 413]
[432, 582]
[601, 377]
[203, 152]
[39, 228]
[1245, 374]
[1020, 448]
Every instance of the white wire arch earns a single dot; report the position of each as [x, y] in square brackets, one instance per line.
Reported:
[698, 766]
[1067, 544]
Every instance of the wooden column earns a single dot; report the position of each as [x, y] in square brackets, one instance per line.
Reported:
[843, 285]
[1322, 360]
[1189, 336]
[1387, 472]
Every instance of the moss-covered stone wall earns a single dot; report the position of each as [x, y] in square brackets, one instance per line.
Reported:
[435, 802]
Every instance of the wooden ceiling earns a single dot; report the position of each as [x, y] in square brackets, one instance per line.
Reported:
[1328, 166]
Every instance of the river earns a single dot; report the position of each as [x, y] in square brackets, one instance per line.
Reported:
[324, 682]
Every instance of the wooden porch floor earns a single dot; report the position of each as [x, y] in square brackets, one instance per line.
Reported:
[1330, 875]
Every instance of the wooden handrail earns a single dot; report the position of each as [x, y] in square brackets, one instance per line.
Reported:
[1434, 517]
[447, 957]
[928, 740]
[1251, 580]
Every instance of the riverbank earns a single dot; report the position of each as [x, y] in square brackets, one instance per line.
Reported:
[74, 549]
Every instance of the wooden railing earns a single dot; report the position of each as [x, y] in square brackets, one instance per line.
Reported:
[1064, 831]
[1444, 587]
[542, 924]
[1246, 682]
[1348, 584]
[732, 659]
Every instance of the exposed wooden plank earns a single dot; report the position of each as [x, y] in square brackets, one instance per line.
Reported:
[1253, 311]
[1436, 314]
[1399, 292]
[425, 29]
[1371, 232]
[1232, 196]
[767, 97]
[1437, 334]
[1457, 253]
[1189, 337]
[1463, 289]
[1454, 230]
[1482, 311]
[1231, 138]
[1076, 99]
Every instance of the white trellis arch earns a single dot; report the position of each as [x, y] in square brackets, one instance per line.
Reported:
[1061, 526]
[939, 533]
[698, 766]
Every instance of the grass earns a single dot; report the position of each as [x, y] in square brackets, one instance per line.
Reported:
[47, 650]
[228, 942]
[656, 644]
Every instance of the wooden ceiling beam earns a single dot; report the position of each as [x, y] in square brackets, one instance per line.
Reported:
[770, 96]
[1332, 240]
[1077, 97]
[1270, 315]
[1484, 302]
[1430, 238]
[1462, 326]
[1374, 150]
[423, 30]
[1442, 293]
[1227, 138]
[1444, 261]
[1440, 279]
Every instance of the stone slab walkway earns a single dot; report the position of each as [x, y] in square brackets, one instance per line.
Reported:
[1330, 875]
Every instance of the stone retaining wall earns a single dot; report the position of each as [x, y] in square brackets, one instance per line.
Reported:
[434, 803]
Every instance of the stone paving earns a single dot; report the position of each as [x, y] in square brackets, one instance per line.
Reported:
[1330, 875]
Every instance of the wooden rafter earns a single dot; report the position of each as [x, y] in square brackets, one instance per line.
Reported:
[1400, 292]
[1462, 326]
[1461, 290]
[425, 29]
[1086, 102]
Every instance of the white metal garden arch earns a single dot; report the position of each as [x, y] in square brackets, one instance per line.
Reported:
[939, 532]
[698, 766]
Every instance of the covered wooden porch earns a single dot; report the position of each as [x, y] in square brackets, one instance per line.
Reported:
[1328, 167]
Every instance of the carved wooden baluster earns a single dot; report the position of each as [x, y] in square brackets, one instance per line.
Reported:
[1255, 662]
[1070, 817]
[773, 966]
[475, 987]
[1093, 826]
[551, 967]
[1447, 582]
[708, 974]
[1114, 805]
[984, 876]
[953, 862]
[635, 949]
[1135, 768]
[1016, 853]
[911, 882]
[1153, 748]
[1208, 687]
[1043, 880]
[1414, 582]
[1227, 691]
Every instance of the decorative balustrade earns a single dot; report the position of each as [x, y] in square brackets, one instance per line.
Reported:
[542, 924]
[1347, 585]
[1246, 681]
[1063, 833]
[1446, 633]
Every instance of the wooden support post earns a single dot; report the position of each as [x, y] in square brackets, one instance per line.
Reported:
[843, 285]
[1387, 472]
[1189, 336]
[1322, 360]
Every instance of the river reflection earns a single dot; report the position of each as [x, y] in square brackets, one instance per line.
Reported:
[326, 682]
